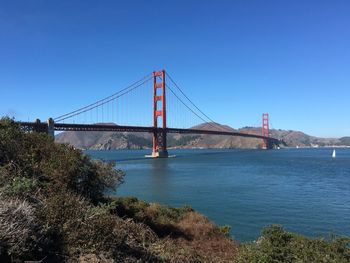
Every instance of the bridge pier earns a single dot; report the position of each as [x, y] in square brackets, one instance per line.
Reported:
[159, 145]
[267, 144]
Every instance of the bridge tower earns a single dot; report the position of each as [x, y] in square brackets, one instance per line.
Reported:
[51, 127]
[265, 130]
[159, 110]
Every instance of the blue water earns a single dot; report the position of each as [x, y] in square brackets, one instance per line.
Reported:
[305, 190]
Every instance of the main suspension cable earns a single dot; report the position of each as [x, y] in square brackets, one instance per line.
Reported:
[188, 106]
[81, 110]
[177, 86]
[103, 101]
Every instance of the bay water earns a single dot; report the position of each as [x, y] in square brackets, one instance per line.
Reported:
[305, 190]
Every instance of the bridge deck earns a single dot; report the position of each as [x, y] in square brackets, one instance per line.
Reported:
[117, 128]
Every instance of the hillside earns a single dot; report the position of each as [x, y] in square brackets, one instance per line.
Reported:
[53, 208]
[125, 140]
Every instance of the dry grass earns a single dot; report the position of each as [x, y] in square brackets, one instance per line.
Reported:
[91, 258]
[206, 239]
[204, 242]
[182, 234]
[18, 226]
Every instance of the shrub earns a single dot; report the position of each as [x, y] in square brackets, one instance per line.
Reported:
[21, 186]
[50, 192]
[82, 228]
[225, 230]
[140, 210]
[202, 242]
[277, 245]
[160, 218]
[29, 160]
[20, 231]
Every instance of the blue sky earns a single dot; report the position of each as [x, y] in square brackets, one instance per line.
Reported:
[235, 59]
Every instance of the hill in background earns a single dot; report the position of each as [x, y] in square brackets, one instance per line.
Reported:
[131, 140]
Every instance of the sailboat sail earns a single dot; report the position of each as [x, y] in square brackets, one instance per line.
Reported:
[333, 155]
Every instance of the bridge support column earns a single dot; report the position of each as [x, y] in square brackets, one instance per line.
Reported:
[37, 127]
[265, 132]
[159, 134]
[159, 145]
[51, 127]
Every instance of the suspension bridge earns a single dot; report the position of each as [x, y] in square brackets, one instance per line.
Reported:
[128, 110]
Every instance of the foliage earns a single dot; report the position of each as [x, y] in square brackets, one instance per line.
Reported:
[47, 197]
[133, 207]
[21, 187]
[139, 141]
[31, 160]
[186, 236]
[278, 245]
[20, 233]
[345, 141]
[182, 141]
[160, 218]
[225, 229]
[82, 228]
[52, 207]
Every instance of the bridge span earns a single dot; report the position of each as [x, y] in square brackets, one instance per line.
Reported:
[159, 129]
[49, 127]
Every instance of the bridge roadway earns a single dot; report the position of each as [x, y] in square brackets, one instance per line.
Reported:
[116, 128]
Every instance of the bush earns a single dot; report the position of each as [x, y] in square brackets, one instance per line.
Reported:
[138, 209]
[225, 230]
[20, 231]
[31, 160]
[160, 218]
[21, 186]
[47, 197]
[277, 245]
[81, 227]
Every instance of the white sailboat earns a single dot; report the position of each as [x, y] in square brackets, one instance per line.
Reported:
[333, 155]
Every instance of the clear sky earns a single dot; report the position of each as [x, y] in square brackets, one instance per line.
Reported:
[235, 59]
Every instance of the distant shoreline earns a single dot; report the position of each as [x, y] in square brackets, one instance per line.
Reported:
[202, 148]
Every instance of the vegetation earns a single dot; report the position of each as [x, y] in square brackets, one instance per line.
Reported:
[345, 141]
[182, 140]
[53, 209]
[278, 245]
[138, 141]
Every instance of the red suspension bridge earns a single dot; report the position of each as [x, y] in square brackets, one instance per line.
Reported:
[116, 112]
